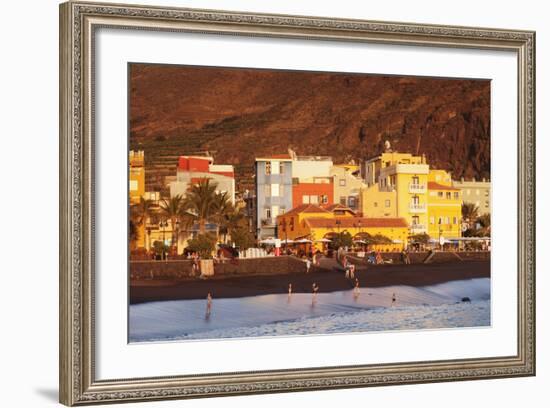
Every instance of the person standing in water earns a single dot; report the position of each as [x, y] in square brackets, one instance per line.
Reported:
[315, 289]
[289, 289]
[356, 290]
[208, 304]
[393, 299]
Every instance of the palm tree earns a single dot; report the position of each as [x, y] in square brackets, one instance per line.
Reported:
[228, 217]
[484, 221]
[133, 234]
[203, 203]
[230, 221]
[469, 212]
[172, 208]
[142, 212]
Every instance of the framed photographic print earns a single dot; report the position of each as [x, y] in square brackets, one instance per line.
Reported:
[258, 203]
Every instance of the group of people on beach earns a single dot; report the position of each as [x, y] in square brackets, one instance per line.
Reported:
[349, 269]
[375, 258]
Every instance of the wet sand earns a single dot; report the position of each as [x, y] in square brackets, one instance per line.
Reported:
[327, 280]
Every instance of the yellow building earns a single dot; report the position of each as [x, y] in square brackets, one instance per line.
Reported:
[136, 175]
[312, 222]
[444, 206]
[397, 188]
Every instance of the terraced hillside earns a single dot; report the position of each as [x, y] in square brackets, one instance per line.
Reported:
[239, 114]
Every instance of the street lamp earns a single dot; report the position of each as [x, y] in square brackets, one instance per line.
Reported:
[439, 224]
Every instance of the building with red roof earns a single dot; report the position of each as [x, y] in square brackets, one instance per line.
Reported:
[192, 169]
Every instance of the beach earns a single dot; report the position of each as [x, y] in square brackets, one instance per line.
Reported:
[328, 280]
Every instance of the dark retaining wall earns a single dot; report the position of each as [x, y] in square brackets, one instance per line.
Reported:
[173, 269]
[181, 270]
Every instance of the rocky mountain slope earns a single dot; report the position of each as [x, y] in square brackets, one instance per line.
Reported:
[239, 114]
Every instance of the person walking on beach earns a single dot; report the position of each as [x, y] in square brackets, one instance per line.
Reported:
[352, 271]
[393, 299]
[379, 259]
[289, 289]
[406, 257]
[208, 304]
[308, 265]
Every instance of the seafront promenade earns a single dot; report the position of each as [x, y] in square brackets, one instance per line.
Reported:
[328, 276]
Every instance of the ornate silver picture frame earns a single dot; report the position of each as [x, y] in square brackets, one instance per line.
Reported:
[78, 381]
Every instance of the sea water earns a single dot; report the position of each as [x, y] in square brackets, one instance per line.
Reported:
[372, 309]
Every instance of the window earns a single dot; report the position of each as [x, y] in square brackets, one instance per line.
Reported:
[281, 168]
[415, 200]
[440, 220]
[275, 167]
[415, 220]
[432, 220]
[415, 180]
[448, 195]
[486, 204]
[275, 190]
[456, 195]
[314, 199]
[267, 190]
[440, 194]
[268, 213]
[486, 193]
[133, 185]
[267, 167]
[343, 200]
[352, 202]
[281, 190]
[387, 203]
[455, 221]
[305, 199]
[375, 204]
[274, 211]
[447, 220]
[393, 180]
[342, 182]
[324, 199]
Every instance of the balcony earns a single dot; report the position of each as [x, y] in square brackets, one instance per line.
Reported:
[417, 188]
[418, 228]
[417, 208]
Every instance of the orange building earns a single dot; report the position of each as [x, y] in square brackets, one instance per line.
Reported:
[312, 193]
[308, 221]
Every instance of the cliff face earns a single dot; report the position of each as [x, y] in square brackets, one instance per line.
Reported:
[239, 114]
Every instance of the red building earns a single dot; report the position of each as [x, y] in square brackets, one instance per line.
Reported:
[312, 193]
